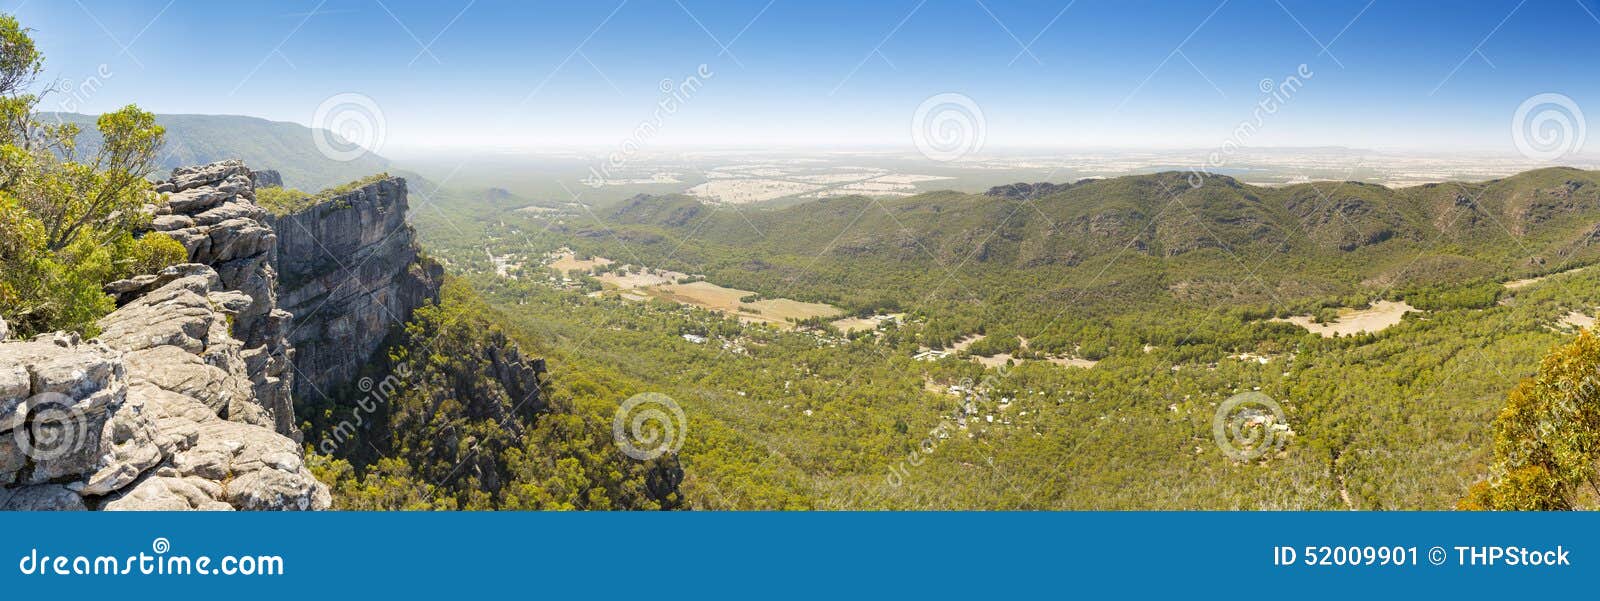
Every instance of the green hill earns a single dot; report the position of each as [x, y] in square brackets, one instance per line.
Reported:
[1164, 297]
[285, 147]
[1325, 238]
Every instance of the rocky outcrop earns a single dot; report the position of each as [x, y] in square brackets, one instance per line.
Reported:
[350, 274]
[268, 178]
[183, 401]
[211, 210]
[158, 413]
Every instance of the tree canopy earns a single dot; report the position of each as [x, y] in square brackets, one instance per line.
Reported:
[1547, 439]
[69, 223]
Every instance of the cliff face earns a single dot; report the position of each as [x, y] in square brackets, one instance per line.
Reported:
[183, 401]
[350, 273]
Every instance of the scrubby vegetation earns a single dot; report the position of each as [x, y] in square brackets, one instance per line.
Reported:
[447, 428]
[69, 220]
[288, 201]
[1547, 438]
[1179, 319]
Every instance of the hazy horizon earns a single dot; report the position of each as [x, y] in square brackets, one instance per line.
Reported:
[1079, 75]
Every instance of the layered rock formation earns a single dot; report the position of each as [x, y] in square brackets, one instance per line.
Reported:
[158, 413]
[350, 274]
[211, 210]
[184, 401]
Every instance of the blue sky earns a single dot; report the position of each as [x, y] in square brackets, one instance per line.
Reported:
[1135, 74]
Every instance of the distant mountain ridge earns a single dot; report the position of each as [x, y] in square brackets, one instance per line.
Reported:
[1315, 238]
[288, 148]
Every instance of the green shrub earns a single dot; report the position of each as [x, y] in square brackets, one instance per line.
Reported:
[288, 201]
[152, 253]
[283, 201]
[67, 221]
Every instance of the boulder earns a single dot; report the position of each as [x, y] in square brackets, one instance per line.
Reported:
[157, 413]
[268, 178]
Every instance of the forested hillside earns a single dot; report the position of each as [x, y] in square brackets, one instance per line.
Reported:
[456, 416]
[1167, 300]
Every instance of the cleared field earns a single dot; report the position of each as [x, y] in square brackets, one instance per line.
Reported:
[785, 309]
[995, 361]
[707, 295]
[910, 178]
[646, 284]
[741, 191]
[703, 294]
[1073, 362]
[565, 262]
[640, 279]
[1379, 317]
[1516, 284]
[1578, 319]
[850, 325]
